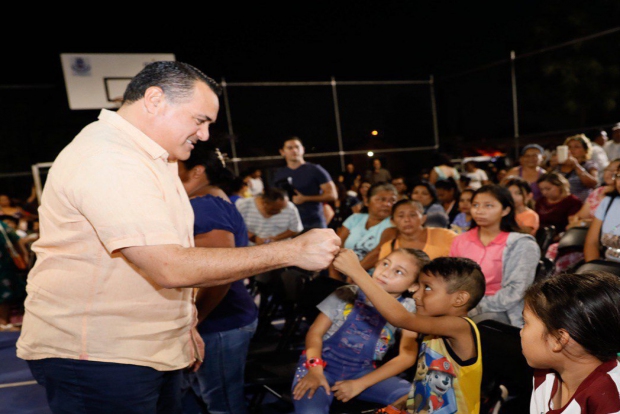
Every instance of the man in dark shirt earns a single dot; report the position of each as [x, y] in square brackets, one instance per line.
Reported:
[308, 184]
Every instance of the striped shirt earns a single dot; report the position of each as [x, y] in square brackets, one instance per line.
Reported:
[287, 219]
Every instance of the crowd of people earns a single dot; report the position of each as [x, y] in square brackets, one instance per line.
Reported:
[148, 278]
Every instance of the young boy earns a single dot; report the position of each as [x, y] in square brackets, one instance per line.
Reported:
[449, 344]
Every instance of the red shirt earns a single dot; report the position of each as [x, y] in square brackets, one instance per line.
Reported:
[557, 214]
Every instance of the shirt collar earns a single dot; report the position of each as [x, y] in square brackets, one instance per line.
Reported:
[499, 239]
[138, 137]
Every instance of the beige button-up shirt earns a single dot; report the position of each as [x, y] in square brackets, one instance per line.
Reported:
[111, 187]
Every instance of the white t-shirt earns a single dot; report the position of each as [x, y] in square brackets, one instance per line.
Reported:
[477, 177]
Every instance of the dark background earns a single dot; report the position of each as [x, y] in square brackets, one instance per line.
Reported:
[464, 45]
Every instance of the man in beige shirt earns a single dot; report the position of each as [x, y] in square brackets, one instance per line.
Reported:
[110, 316]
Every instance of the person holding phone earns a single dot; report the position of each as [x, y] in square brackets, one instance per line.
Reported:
[577, 167]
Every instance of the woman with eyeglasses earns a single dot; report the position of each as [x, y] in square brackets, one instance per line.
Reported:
[603, 238]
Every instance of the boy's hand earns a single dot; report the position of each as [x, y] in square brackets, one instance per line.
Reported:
[310, 383]
[346, 262]
[346, 390]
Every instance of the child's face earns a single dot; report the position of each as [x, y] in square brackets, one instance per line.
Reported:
[407, 219]
[536, 342]
[517, 195]
[396, 273]
[465, 202]
[487, 210]
[432, 297]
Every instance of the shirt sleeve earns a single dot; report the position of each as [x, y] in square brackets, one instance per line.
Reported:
[332, 306]
[600, 211]
[517, 276]
[351, 221]
[386, 249]
[209, 215]
[295, 220]
[530, 219]
[323, 175]
[123, 201]
[455, 250]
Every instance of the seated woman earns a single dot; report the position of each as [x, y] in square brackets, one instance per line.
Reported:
[227, 316]
[462, 221]
[578, 169]
[508, 258]
[448, 194]
[364, 233]
[529, 168]
[603, 238]
[408, 216]
[583, 218]
[521, 192]
[425, 193]
[557, 203]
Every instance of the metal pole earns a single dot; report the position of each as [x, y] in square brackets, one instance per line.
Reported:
[233, 148]
[338, 128]
[515, 112]
[434, 110]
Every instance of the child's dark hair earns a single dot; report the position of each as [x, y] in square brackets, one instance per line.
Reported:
[501, 194]
[420, 256]
[585, 305]
[523, 186]
[459, 273]
[449, 184]
[418, 206]
[468, 190]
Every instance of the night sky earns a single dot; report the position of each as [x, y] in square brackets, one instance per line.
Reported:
[349, 40]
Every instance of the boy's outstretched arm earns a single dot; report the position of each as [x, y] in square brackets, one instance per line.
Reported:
[407, 353]
[390, 308]
[314, 347]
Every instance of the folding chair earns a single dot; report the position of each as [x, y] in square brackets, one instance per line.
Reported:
[503, 365]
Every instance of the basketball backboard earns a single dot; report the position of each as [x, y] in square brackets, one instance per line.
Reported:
[98, 80]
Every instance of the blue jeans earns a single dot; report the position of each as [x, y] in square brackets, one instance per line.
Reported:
[384, 392]
[220, 380]
[76, 386]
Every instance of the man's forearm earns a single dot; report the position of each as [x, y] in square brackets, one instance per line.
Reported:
[325, 197]
[173, 266]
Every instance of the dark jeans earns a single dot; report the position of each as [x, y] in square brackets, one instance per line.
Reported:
[76, 386]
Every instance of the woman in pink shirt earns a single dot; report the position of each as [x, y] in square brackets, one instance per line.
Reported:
[508, 258]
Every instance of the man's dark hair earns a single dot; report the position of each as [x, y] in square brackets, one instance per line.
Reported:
[176, 79]
[273, 194]
[206, 154]
[291, 138]
[459, 273]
